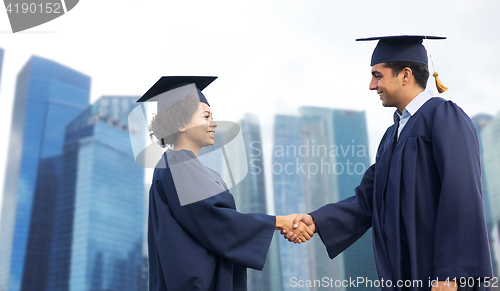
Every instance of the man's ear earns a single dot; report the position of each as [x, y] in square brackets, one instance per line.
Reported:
[407, 73]
[182, 129]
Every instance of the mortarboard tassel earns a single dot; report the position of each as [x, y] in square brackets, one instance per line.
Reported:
[440, 87]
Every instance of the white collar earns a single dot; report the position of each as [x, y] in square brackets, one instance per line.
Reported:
[416, 103]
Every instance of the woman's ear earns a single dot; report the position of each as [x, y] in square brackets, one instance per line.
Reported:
[182, 129]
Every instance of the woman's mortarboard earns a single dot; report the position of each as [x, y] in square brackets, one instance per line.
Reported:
[165, 92]
[169, 89]
[147, 153]
[402, 48]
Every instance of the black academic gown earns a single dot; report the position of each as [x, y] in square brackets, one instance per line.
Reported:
[423, 199]
[205, 245]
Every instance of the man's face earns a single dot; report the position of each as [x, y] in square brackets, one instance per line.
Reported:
[388, 86]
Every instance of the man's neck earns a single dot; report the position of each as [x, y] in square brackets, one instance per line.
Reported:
[410, 96]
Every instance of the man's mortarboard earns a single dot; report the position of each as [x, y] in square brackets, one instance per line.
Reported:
[402, 48]
[169, 89]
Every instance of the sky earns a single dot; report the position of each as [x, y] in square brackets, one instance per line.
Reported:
[271, 57]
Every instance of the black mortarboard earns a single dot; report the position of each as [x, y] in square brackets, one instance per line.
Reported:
[168, 89]
[403, 48]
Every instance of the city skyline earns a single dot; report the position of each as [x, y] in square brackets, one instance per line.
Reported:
[295, 54]
[341, 132]
[271, 58]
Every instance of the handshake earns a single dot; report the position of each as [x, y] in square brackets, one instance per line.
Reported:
[297, 228]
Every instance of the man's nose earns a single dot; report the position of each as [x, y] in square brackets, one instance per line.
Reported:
[373, 84]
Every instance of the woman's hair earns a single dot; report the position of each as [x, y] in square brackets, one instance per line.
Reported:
[166, 123]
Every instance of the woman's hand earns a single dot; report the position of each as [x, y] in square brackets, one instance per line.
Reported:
[285, 223]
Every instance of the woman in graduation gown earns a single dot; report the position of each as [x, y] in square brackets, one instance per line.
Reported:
[197, 240]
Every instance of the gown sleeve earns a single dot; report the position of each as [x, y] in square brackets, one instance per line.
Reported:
[461, 242]
[241, 238]
[341, 224]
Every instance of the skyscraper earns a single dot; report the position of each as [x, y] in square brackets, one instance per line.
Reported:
[322, 181]
[480, 121]
[250, 196]
[328, 152]
[490, 139]
[289, 196]
[351, 141]
[99, 226]
[48, 96]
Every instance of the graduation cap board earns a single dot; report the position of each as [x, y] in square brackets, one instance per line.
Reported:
[227, 155]
[167, 90]
[405, 48]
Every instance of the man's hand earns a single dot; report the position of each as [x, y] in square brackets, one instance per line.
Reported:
[287, 224]
[445, 286]
[298, 220]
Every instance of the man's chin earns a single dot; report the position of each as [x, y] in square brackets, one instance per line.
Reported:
[387, 104]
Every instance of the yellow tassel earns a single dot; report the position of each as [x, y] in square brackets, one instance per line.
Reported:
[441, 88]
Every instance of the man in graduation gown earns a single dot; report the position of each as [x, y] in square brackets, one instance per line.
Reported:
[423, 196]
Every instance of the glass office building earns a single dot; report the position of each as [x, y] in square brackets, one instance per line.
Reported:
[48, 96]
[319, 158]
[250, 196]
[289, 197]
[98, 234]
[480, 121]
[350, 136]
[490, 139]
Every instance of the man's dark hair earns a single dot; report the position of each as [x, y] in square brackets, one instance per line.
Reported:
[420, 71]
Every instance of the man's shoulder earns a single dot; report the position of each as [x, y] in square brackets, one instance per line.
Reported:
[432, 103]
[442, 107]
[436, 107]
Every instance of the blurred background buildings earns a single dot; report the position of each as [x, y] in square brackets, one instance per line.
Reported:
[75, 203]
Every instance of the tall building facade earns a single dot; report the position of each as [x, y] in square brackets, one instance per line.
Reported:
[47, 97]
[480, 121]
[99, 225]
[350, 137]
[322, 155]
[322, 182]
[250, 196]
[289, 197]
[490, 139]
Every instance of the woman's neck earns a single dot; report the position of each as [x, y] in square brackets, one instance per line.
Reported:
[186, 146]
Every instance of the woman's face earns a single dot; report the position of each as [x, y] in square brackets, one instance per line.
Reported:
[200, 130]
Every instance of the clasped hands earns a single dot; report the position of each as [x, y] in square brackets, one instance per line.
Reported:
[297, 228]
